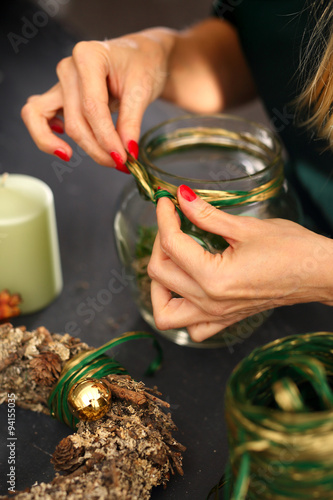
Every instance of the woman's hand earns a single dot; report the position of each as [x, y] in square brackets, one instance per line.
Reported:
[268, 263]
[201, 69]
[125, 73]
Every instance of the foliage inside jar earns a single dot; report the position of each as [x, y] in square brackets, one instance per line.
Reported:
[144, 248]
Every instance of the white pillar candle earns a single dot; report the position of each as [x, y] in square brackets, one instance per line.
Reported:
[29, 250]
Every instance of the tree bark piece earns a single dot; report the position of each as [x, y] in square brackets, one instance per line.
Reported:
[121, 456]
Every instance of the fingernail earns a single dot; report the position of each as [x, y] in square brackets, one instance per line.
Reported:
[133, 149]
[187, 193]
[62, 154]
[57, 128]
[120, 165]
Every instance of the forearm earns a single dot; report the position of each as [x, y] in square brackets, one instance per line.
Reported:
[207, 71]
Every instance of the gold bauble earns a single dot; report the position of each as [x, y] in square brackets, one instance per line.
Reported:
[89, 399]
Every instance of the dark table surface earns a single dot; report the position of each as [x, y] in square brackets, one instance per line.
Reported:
[86, 199]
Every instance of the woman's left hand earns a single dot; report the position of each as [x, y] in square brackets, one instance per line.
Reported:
[268, 263]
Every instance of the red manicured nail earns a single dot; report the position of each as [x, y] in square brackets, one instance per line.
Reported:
[133, 149]
[62, 154]
[187, 193]
[57, 128]
[119, 162]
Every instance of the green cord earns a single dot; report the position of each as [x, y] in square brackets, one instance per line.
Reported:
[162, 193]
[95, 364]
[154, 188]
[279, 412]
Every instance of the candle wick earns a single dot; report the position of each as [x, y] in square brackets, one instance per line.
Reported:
[3, 179]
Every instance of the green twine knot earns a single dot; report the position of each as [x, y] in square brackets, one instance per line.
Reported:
[163, 193]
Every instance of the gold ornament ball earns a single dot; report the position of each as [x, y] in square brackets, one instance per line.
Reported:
[89, 399]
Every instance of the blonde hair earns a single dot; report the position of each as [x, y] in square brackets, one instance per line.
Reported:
[315, 103]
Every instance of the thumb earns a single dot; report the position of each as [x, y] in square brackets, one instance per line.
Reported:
[209, 218]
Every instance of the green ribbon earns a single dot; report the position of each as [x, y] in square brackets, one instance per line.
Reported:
[154, 188]
[93, 363]
[279, 411]
[162, 193]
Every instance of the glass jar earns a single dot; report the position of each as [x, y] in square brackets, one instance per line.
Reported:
[222, 157]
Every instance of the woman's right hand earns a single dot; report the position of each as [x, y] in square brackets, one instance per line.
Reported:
[125, 74]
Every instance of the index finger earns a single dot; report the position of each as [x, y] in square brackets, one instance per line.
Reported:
[93, 72]
[37, 114]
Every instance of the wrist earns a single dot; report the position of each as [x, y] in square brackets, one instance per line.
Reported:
[322, 262]
[156, 40]
[165, 37]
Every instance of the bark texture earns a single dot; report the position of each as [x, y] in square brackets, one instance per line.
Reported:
[121, 456]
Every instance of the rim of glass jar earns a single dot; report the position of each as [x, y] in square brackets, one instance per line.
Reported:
[275, 141]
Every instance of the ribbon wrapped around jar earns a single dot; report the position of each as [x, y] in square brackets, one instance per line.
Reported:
[234, 164]
[279, 413]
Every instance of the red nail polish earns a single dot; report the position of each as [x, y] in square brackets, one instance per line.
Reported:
[62, 154]
[187, 193]
[57, 128]
[119, 162]
[133, 149]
